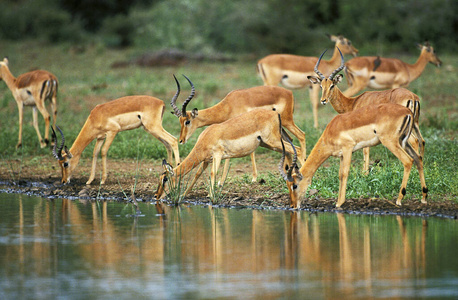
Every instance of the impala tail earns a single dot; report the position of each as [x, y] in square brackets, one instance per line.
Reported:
[48, 89]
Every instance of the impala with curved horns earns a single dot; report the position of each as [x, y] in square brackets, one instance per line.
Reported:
[377, 72]
[387, 123]
[105, 121]
[236, 137]
[292, 70]
[342, 104]
[235, 103]
[32, 89]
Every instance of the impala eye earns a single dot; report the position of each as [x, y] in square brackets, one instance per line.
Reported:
[294, 186]
[331, 87]
[187, 122]
[65, 164]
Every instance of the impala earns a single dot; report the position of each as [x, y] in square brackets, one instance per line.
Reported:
[32, 89]
[236, 137]
[292, 70]
[235, 103]
[105, 121]
[342, 104]
[387, 123]
[383, 73]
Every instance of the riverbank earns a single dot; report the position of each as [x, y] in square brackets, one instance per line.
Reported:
[128, 180]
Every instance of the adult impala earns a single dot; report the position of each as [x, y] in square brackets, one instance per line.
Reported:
[235, 103]
[105, 121]
[384, 73]
[388, 123]
[342, 104]
[236, 137]
[32, 89]
[292, 70]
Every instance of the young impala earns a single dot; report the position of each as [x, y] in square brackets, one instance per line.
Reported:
[342, 104]
[292, 70]
[383, 73]
[388, 123]
[105, 121]
[236, 137]
[235, 103]
[32, 89]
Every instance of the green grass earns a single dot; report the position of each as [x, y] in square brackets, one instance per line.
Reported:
[86, 79]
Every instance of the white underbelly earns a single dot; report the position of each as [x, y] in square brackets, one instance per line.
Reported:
[367, 143]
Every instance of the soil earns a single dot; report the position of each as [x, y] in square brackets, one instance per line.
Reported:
[130, 181]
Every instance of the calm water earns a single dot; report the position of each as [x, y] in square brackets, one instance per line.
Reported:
[86, 250]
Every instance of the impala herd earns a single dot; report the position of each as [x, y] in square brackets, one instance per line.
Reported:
[248, 118]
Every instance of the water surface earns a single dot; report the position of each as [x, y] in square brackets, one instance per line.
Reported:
[84, 249]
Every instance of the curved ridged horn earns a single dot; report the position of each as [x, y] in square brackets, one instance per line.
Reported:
[186, 102]
[317, 64]
[173, 102]
[282, 161]
[294, 162]
[287, 177]
[342, 65]
[57, 152]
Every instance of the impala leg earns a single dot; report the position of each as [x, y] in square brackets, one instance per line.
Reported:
[203, 166]
[214, 171]
[225, 172]
[108, 141]
[169, 141]
[47, 119]
[366, 160]
[98, 145]
[37, 129]
[405, 156]
[419, 163]
[314, 98]
[254, 168]
[345, 162]
[20, 107]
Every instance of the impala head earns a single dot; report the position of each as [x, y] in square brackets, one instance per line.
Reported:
[185, 117]
[292, 176]
[344, 44]
[165, 176]
[63, 156]
[327, 84]
[428, 51]
[3, 63]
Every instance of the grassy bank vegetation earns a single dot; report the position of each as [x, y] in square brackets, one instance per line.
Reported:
[87, 79]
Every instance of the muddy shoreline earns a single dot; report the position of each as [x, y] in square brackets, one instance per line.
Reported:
[363, 206]
[125, 180]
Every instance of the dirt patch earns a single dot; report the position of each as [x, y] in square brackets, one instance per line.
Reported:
[41, 177]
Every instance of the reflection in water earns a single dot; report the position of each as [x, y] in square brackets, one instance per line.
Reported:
[62, 248]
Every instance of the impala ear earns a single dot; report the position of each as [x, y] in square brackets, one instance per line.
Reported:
[337, 79]
[332, 37]
[314, 79]
[167, 167]
[69, 154]
[194, 112]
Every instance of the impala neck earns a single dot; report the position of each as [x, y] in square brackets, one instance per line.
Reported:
[340, 102]
[190, 162]
[417, 68]
[9, 79]
[320, 153]
[81, 142]
[213, 115]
